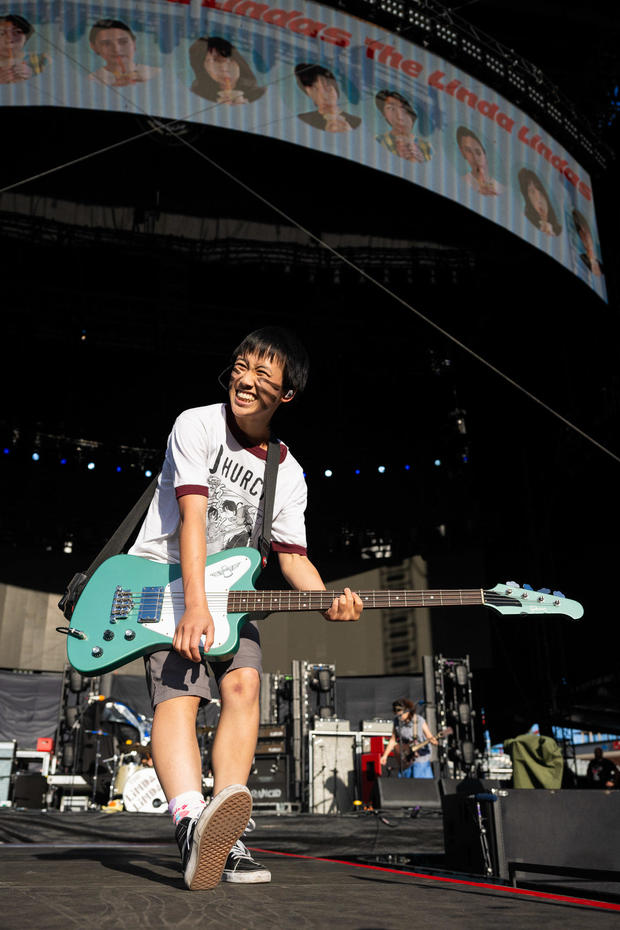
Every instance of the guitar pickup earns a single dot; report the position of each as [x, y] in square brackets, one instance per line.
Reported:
[151, 602]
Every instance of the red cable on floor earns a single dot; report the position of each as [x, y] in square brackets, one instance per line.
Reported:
[565, 899]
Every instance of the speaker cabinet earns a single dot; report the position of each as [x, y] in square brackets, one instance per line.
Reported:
[30, 791]
[269, 781]
[561, 829]
[399, 793]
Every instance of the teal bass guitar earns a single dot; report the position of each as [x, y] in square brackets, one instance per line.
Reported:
[131, 606]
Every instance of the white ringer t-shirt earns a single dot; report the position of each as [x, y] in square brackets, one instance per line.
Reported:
[207, 454]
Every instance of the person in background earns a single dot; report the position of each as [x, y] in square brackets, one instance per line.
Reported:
[319, 84]
[15, 64]
[602, 772]
[401, 117]
[114, 41]
[473, 151]
[538, 208]
[221, 73]
[409, 730]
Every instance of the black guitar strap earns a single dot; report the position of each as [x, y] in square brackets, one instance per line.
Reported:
[269, 486]
[113, 546]
[117, 541]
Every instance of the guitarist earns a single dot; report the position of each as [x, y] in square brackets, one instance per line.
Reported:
[409, 730]
[210, 487]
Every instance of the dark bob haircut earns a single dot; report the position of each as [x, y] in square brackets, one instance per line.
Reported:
[527, 177]
[279, 343]
[308, 75]
[22, 25]
[203, 83]
[382, 96]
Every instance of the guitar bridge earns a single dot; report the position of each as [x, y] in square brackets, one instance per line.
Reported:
[122, 604]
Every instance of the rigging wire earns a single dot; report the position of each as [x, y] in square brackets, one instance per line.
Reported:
[167, 128]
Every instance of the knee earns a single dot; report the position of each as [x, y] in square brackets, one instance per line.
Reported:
[241, 686]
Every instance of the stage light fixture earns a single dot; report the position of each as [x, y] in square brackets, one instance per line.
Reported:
[118, 468]
[328, 473]
[437, 462]
[35, 456]
[148, 473]
[464, 713]
[407, 467]
[461, 674]
[6, 451]
[381, 469]
[63, 461]
[357, 471]
[91, 466]
[467, 750]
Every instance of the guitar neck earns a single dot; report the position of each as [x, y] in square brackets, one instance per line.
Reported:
[272, 601]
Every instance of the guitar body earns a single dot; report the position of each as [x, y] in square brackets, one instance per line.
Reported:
[131, 606]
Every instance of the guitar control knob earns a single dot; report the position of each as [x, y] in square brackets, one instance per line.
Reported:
[108, 635]
[524, 596]
[96, 652]
[130, 634]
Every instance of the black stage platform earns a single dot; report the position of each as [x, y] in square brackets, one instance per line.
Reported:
[359, 872]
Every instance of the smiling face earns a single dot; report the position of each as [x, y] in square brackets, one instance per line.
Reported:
[538, 200]
[116, 47]
[398, 116]
[223, 69]
[474, 155]
[255, 390]
[12, 40]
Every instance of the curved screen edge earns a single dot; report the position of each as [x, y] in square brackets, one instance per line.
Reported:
[321, 79]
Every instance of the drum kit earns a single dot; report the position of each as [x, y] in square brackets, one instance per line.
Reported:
[134, 784]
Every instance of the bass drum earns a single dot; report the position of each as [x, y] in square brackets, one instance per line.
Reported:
[144, 794]
[126, 769]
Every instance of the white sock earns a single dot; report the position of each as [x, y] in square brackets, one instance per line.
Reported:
[187, 804]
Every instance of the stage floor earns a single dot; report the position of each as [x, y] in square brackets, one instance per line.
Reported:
[358, 872]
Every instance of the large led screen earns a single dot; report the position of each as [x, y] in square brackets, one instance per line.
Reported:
[316, 77]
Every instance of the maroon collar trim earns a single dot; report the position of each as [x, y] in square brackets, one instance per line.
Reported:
[245, 442]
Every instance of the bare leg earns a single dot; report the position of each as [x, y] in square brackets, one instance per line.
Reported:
[237, 731]
[176, 754]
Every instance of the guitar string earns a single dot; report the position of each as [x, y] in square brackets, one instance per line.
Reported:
[321, 242]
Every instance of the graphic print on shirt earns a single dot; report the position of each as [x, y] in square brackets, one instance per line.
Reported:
[231, 518]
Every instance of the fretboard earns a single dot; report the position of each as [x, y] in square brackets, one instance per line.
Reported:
[271, 601]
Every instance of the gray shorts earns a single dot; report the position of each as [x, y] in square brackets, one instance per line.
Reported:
[169, 675]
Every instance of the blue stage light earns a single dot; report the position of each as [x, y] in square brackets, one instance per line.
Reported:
[437, 462]
[381, 469]
[6, 451]
[91, 466]
[357, 471]
[407, 467]
[148, 473]
[118, 468]
[63, 461]
[35, 456]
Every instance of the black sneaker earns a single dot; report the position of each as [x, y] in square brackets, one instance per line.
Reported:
[241, 868]
[206, 841]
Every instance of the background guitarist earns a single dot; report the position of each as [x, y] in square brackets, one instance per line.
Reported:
[409, 729]
[211, 477]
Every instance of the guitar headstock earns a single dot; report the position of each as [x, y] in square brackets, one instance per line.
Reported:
[510, 599]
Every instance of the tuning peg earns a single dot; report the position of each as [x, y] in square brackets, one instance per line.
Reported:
[528, 587]
[544, 591]
[558, 594]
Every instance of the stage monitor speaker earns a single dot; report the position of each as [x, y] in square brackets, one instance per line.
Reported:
[30, 791]
[268, 781]
[570, 828]
[332, 766]
[400, 793]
